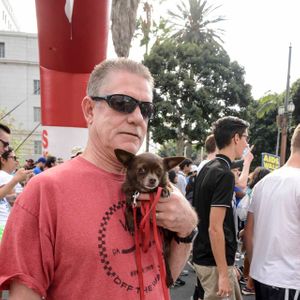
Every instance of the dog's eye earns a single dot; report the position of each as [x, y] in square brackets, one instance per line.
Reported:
[158, 172]
[141, 171]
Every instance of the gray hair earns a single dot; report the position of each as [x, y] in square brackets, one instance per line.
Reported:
[101, 71]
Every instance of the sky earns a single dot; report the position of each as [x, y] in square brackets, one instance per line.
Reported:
[257, 35]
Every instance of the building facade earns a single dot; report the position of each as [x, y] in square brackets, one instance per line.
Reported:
[7, 18]
[20, 91]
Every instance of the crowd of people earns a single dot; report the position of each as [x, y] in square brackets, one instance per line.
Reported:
[223, 193]
[14, 177]
[71, 214]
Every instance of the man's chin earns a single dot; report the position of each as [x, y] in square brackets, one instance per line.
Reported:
[130, 147]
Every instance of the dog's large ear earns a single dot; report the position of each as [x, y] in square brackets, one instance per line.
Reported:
[173, 161]
[124, 157]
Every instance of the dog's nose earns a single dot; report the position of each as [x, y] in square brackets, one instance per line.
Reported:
[152, 181]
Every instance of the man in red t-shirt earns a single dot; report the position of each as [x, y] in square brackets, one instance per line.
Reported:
[66, 237]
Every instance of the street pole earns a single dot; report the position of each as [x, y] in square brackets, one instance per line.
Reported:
[284, 123]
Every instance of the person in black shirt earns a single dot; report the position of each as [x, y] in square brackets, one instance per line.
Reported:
[215, 246]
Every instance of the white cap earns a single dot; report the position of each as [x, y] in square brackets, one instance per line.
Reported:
[76, 150]
[194, 168]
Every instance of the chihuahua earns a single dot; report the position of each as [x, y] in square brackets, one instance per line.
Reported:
[145, 173]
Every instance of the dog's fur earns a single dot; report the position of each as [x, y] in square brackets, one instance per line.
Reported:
[145, 173]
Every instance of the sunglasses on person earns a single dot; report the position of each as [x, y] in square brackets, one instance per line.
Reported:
[13, 157]
[127, 104]
[5, 144]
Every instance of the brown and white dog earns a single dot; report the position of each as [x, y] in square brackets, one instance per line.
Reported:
[144, 174]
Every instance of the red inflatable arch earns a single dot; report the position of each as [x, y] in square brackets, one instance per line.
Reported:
[72, 37]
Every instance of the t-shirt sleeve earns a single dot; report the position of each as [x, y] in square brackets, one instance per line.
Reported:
[5, 178]
[26, 253]
[223, 191]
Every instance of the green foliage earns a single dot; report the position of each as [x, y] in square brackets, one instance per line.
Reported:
[150, 32]
[268, 103]
[295, 96]
[168, 149]
[263, 132]
[195, 85]
[190, 22]
[262, 116]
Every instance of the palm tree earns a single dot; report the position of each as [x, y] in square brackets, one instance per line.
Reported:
[123, 24]
[191, 23]
[269, 102]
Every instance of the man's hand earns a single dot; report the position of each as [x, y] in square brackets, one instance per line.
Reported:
[249, 156]
[176, 214]
[22, 174]
[225, 289]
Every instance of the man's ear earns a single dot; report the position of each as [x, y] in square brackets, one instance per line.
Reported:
[235, 138]
[124, 157]
[87, 106]
[173, 161]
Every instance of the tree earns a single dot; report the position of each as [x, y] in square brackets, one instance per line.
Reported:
[295, 96]
[266, 111]
[263, 132]
[168, 149]
[123, 18]
[148, 30]
[191, 22]
[269, 102]
[195, 85]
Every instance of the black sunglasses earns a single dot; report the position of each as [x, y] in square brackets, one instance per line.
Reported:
[127, 104]
[5, 144]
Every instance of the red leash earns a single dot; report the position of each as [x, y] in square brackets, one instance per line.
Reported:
[144, 232]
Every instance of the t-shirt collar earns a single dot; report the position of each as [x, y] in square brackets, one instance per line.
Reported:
[224, 157]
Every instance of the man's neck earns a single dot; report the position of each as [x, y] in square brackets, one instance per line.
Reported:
[229, 152]
[211, 156]
[294, 160]
[103, 160]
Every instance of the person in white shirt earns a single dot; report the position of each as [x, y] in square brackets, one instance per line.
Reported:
[272, 232]
[8, 164]
[184, 169]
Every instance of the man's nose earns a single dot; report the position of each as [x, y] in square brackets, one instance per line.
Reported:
[136, 115]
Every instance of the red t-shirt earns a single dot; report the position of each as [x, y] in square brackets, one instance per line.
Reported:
[66, 238]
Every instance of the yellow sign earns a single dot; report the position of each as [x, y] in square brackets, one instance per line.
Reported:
[270, 161]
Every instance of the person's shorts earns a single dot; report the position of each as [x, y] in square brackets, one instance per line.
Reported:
[267, 292]
[209, 277]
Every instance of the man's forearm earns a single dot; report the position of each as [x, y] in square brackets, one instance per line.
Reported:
[243, 179]
[217, 241]
[179, 254]
[19, 291]
[248, 236]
